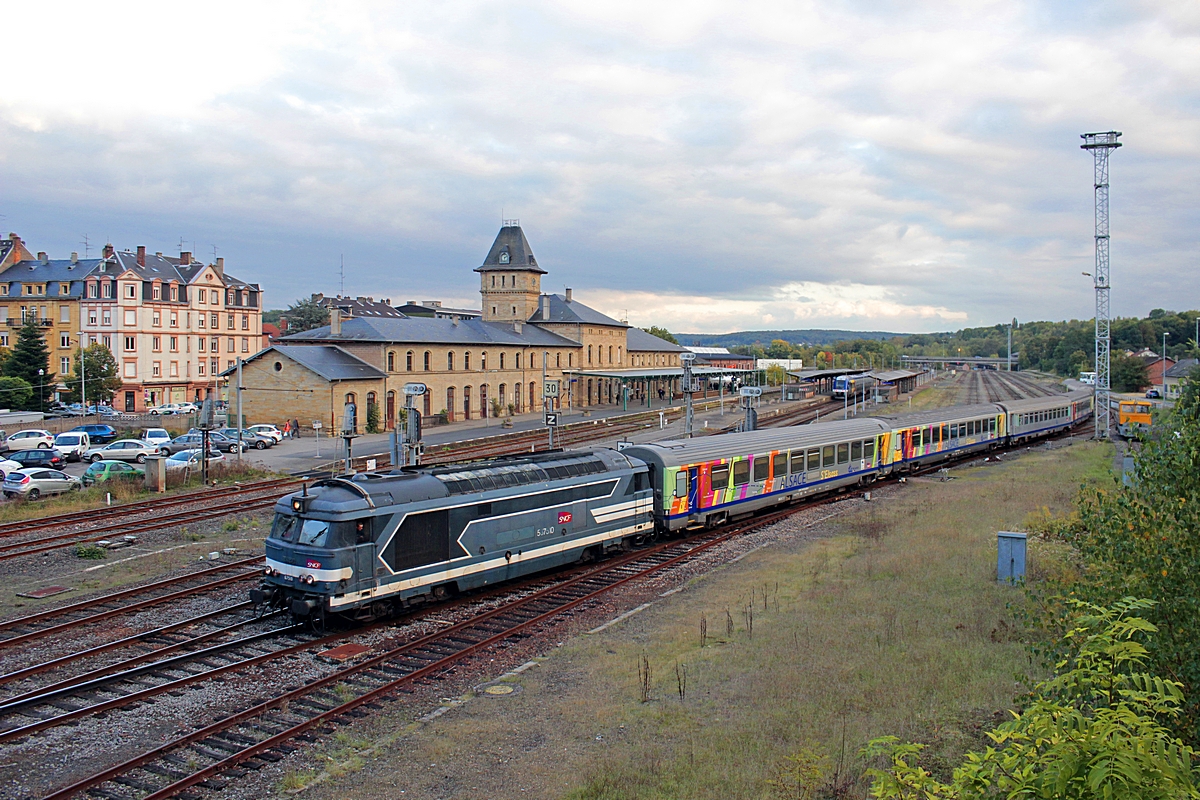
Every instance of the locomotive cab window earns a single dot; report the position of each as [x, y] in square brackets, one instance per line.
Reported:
[780, 462]
[762, 468]
[741, 472]
[681, 483]
[284, 528]
[719, 479]
[843, 453]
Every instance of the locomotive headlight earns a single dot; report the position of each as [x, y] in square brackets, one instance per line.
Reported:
[268, 572]
[297, 505]
[309, 579]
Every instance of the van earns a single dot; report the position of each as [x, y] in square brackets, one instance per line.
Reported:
[72, 444]
[156, 436]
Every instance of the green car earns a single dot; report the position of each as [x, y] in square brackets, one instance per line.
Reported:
[101, 471]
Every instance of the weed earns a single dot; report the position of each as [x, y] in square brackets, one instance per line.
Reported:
[344, 693]
[90, 551]
[296, 781]
[230, 526]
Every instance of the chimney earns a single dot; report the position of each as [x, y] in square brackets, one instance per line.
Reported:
[42, 256]
[518, 326]
[545, 308]
[74, 257]
[335, 321]
[568, 294]
[108, 251]
[141, 255]
[185, 258]
[158, 253]
[454, 320]
[220, 265]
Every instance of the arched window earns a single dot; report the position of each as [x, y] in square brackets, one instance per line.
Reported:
[466, 402]
[518, 355]
[483, 360]
[619, 356]
[467, 361]
[450, 361]
[483, 401]
[532, 395]
[408, 361]
[610, 354]
[558, 359]
[391, 361]
[428, 360]
[450, 404]
[390, 411]
[351, 399]
[589, 354]
[500, 396]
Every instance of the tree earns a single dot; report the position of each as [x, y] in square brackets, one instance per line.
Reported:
[1094, 730]
[661, 333]
[776, 375]
[374, 425]
[101, 372]
[304, 315]
[29, 356]
[1128, 373]
[15, 393]
[779, 349]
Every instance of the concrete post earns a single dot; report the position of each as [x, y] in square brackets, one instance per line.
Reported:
[156, 474]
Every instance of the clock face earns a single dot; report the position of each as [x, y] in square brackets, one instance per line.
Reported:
[504, 258]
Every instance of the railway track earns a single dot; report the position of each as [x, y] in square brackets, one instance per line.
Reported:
[259, 734]
[55, 621]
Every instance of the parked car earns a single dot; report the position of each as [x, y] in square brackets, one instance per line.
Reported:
[249, 438]
[156, 436]
[1153, 394]
[170, 409]
[29, 439]
[39, 458]
[73, 444]
[267, 430]
[189, 408]
[123, 450]
[190, 460]
[34, 482]
[99, 434]
[192, 441]
[7, 465]
[101, 471]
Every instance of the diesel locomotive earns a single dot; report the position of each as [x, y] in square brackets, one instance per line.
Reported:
[366, 544]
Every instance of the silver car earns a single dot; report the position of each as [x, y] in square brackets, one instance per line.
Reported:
[33, 482]
[123, 450]
[190, 460]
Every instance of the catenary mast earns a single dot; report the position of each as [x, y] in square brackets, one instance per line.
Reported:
[1101, 144]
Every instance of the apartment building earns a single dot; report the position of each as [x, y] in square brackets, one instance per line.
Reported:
[47, 292]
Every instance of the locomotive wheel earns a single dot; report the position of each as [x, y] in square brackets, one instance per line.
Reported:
[440, 593]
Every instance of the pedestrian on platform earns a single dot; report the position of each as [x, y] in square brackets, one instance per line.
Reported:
[287, 429]
[295, 429]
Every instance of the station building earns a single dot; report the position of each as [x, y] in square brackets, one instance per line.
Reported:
[476, 365]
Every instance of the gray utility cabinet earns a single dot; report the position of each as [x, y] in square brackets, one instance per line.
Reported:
[1010, 557]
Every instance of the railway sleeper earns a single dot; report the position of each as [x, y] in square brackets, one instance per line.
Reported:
[105, 794]
[210, 753]
[164, 771]
[134, 783]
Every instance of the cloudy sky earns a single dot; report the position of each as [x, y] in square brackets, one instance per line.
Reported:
[708, 166]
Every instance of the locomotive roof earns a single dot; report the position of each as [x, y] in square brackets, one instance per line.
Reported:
[728, 445]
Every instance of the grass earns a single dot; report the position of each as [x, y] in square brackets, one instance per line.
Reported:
[896, 627]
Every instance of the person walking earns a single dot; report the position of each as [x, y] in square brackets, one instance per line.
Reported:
[295, 429]
[287, 429]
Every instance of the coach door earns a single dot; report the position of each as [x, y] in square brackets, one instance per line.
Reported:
[686, 489]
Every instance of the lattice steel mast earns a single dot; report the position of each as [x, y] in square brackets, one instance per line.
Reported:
[1101, 144]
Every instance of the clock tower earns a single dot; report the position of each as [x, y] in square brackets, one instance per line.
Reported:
[510, 278]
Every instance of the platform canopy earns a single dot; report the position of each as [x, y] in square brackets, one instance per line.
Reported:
[654, 374]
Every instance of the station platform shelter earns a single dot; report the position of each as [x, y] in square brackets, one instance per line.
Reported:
[823, 378]
[645, 386]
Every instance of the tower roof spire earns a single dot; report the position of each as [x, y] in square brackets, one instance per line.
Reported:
[511, 251]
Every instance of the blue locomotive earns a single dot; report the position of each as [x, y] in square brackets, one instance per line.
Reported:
[369, 543]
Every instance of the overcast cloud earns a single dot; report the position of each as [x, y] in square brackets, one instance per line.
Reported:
[707, 166]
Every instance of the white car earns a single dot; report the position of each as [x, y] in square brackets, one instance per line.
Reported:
[267, 430]
[30, 440]
[189, 408]
[190, 460]
[166, 409]
[156, 436]
[72, 444]
[7, 465]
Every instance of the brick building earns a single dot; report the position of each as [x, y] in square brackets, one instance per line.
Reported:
[474, 367]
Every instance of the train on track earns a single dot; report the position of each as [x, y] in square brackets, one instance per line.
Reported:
[367, 544]
[852, 385]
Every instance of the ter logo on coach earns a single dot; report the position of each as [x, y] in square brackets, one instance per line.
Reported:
[564, 517]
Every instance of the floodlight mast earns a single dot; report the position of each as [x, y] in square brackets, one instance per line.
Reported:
[1101, 144]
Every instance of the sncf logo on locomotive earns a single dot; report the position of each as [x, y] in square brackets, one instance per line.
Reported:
[311, 564]
[564, 517]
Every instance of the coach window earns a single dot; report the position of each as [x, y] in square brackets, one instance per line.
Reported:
[408, 361]
[741, 472]
[945, 433]
[797, 462]
[869, 450]
[780, 462]
[762, 467]
[719, 478]
[843, 453]
[827, 456]
[856, 451]
[814, 460]
[681, 483]
[992, 425]
[916, 440]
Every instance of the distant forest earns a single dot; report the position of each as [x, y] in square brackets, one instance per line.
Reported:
[1064, 348]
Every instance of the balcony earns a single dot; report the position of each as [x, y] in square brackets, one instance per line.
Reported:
[42, 323]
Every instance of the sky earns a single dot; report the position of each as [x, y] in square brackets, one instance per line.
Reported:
[704, 166]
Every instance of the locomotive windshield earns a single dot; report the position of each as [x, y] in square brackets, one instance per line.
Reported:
[319, 532]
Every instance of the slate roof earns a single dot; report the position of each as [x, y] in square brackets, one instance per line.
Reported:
[361, 307]
[511, 241]
[637, 340]
[53, 273]
[166, 268]
[5, 246]
[1183, 368]
[573, 311]
[422, 330]
[329, 361]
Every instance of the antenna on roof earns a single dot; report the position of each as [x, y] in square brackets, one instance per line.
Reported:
[214, 247]
[181, 244]
[87, 245]
[342, 268]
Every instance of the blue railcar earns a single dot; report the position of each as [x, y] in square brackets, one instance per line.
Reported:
[853, 385]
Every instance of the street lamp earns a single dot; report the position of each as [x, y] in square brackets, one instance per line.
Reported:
[41, 390]
[1164, 364]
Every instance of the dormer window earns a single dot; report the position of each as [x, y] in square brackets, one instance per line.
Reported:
[64, 288]
[156, 292]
